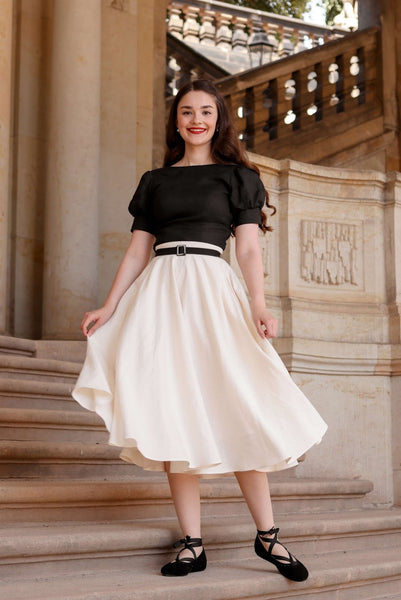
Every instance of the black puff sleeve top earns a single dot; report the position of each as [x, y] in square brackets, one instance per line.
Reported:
[198, 203]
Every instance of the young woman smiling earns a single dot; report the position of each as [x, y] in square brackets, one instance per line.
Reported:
[178, 362]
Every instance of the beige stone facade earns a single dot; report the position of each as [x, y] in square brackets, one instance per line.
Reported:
[332, 278]
[82, 116]
[81, 87]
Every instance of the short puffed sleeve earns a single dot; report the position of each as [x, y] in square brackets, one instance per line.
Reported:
[248, 196]
[140, 205]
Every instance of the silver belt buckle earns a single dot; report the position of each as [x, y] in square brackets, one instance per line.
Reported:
[181, 250]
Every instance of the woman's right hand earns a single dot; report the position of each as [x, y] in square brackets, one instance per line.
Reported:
[94, 319]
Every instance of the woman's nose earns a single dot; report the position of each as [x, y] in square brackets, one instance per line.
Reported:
[196, 117]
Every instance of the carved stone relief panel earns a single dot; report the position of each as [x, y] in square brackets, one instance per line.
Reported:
[330, 253]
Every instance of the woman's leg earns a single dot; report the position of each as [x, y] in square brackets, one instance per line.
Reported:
[186, 497]
[255, 488]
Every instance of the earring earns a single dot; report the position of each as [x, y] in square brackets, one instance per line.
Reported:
[178, 131]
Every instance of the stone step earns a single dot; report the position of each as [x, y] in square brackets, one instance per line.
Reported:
[59, 459]
[26, 551]
[19, 393]
[64, 350]
[38, 369]
[17, 346]
[363, 575]
[51, 425]
[145, 498]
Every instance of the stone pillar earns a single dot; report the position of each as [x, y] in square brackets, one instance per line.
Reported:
[71, 228]
[391, 65]
[6, 21]
[392, 246]
[368, 13]
[159, 78]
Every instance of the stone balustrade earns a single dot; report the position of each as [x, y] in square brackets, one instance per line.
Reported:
[329, 89]
[221, 32]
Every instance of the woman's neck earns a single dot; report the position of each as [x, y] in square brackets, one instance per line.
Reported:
[196, 156]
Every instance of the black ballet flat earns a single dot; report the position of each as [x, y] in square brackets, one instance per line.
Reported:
[182, 566]
[289, 566]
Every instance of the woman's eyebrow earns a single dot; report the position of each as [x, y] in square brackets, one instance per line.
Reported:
[205, 106]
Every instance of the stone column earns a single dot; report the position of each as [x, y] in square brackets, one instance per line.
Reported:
[71, 230]
[6, 22]
[368, 13]
[392, 246]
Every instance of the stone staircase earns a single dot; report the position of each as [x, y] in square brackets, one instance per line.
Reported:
[76, 523]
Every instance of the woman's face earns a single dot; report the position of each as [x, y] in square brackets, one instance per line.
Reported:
[197, 118]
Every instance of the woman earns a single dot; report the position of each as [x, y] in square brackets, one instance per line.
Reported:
[178, 363]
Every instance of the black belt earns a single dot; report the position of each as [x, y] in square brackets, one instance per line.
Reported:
[182, 250]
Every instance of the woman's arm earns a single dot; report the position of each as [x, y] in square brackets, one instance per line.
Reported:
[250, 261]
[135, 260]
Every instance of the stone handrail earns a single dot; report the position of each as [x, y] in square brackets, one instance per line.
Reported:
[330, 86]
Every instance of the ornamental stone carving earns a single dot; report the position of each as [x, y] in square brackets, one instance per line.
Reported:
[329, 253]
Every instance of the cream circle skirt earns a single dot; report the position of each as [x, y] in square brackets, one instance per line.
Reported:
[183, 381]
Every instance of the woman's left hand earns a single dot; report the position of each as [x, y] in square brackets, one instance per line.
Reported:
[266, 324]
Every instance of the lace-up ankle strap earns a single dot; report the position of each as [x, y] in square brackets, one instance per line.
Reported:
[189, 544]
[272, 532]
[289, 566]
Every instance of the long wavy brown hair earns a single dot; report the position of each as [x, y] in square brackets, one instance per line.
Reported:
[226, 148]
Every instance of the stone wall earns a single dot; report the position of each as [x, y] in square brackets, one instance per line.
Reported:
[82, 86]
[332, 278]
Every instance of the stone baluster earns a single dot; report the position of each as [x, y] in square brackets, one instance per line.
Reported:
[191, 24]
[175, 22]
[280, 36]
[71, 220]
[287, 46]
[223, 33]
[172, 70]
[313, 40]
[297, 44]
[240, 38]
[207, 32]
[185, 72]
[6, 31]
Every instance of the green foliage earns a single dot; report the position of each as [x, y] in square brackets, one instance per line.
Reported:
[287, 8]
[333, 8]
